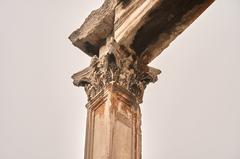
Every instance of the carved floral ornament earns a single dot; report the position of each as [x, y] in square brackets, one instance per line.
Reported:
[114, 64]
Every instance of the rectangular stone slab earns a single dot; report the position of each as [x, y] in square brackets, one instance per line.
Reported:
[148, 26]
[145, 27]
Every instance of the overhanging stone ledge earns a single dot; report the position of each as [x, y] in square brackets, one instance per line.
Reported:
[145, 27]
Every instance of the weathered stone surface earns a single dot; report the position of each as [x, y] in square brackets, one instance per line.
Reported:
[96, 28]
[122, 37]
[113, 125]
[115, 65]
[164, 24]
[145, 27]
[153, 24]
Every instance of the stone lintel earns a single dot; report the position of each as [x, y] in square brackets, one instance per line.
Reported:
[149, 28]
[145, 27]
[96, 28]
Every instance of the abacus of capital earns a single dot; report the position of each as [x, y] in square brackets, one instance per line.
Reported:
[123, 37]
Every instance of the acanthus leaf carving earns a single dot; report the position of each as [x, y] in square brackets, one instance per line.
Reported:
[116, 65]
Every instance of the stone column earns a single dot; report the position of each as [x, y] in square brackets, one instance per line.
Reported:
[113, 125]
[123, 37]
[114, 84]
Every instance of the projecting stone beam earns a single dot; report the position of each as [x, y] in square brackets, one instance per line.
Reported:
[96, 28]
[146, 27]
[151, 26]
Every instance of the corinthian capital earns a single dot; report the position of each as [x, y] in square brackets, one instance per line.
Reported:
[116, 65]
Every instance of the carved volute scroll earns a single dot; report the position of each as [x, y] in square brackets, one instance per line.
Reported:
[116, 65]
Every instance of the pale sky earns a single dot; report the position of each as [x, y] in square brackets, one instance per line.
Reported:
[192, 112]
